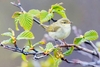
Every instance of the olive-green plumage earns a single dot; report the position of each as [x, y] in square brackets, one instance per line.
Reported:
[60, 29]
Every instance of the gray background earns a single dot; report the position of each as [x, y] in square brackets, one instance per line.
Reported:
[85, 14]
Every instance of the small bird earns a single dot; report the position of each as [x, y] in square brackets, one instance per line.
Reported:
[59, 30]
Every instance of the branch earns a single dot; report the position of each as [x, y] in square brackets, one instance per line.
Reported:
[83, 63]
[79, 48]
[19, 50]
[78, 32]
[18, 5]
[94, 47]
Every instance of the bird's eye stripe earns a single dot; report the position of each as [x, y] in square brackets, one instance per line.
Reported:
[64, 22]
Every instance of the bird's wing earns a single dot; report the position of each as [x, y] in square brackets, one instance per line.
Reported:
[53, 27]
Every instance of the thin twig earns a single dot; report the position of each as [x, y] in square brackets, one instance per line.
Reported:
[66, 60]
[19, 50]
[94, 47]
[79, 48]
[78, 32]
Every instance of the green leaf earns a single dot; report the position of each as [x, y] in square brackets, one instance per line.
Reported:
[16, 23]
[16, 14]
[49, 46]
[26, 21]
[27, 48]
[98, 45]
[57, 62]
[7, 34]
[57, 6]
[58, 53]
[79, 40]
[13, 33]
[25, 35]
[37, 43]
[10, 34]
[91, 35]
[9, 41]
[58, 9]
[30, 43]
[34, 12]
[45, 16]
[51, 62]
[42, 48]
[24, 57]
[69, 52]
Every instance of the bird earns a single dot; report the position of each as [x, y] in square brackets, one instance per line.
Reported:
[58, 30]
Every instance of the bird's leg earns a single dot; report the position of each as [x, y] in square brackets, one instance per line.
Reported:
[56, 40]
[64, 42]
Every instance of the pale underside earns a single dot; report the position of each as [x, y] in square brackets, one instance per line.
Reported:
[61, 33]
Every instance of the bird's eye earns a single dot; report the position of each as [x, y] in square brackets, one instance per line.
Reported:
[64, 22]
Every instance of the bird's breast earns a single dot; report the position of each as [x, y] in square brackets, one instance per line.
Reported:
[61, 33]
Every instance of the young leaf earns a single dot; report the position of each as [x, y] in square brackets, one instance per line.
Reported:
[45, 16]
[79, 40]
[26, 21]
[25, 35]
[42, 42]
[7, 34]
[27, 64]
[51, 62]
[42, 48]
[16, 14]
[16, 23]
[58, 5]
[34, 12]
[98, 45]
[58, 53]
[13, 33]
[27, 48]
[57, 8]
[49, 46]
[57, 62]
[9, 41]
[37, 43]
[68, 52]
[10, 34]
[24, 57]
[30, 43]
[91, 35]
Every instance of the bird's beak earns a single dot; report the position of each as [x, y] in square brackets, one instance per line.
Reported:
[71, 22]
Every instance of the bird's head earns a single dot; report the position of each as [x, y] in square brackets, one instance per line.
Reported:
[64, 21]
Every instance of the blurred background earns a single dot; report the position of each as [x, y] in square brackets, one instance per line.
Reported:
[85, 14]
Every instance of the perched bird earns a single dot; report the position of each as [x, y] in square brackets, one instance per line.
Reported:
[59, 29]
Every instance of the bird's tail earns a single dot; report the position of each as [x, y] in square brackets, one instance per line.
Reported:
[42, 25]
